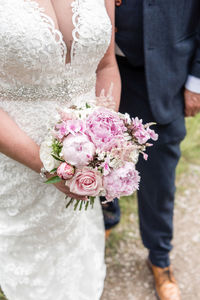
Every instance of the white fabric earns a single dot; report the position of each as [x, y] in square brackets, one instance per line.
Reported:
[118, 51]
[193, 84]
[47, 252]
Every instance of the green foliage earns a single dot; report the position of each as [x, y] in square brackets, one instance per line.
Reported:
[2, 297]
[87, 105]
[54, 179]
[121, 233]
[57, 158]
[56, 148]
[82, 203]
[190, 147]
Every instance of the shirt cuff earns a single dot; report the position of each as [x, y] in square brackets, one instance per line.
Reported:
[118, 51]
[193, 84]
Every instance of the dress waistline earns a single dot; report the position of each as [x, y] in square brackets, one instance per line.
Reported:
[68, 90]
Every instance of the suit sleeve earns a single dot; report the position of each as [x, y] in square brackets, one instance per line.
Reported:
[195, 68]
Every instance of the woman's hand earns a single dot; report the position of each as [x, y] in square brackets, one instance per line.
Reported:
[65, 190]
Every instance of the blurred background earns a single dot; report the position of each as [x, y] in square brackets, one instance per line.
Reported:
[128, 277]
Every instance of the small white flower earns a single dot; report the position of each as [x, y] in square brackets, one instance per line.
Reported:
[45, 155]
[127, 118]
[115, 163]
[134, 155]
[101, 155]
[127, 136]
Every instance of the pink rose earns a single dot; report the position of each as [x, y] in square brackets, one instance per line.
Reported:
[105, 128]
[121, 182]
[86, 182]
[65, 171]
[78, 150]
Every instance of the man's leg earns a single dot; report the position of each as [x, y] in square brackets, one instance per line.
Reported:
[156, 200]
[157, 188]
[111, 213]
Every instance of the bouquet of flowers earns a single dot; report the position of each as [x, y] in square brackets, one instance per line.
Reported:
[95, 151]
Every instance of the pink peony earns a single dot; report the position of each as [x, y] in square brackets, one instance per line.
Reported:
[121, 182]
[78, 150]
[105, 128]
[86, 182]
[65, 171]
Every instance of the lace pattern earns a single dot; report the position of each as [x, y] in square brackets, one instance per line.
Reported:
[57, 35]
[45, 250]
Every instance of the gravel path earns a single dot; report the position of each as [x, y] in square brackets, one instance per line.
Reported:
[128, 277]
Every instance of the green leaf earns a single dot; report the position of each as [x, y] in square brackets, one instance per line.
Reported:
[53, 170]
[87, 105]
[54, 179]
[57, 158]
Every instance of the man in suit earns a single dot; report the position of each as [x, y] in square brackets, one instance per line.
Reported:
[158, 52]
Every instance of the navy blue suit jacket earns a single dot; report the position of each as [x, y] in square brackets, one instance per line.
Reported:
[171, 49]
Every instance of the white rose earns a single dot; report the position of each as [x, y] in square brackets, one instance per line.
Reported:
[45, 155]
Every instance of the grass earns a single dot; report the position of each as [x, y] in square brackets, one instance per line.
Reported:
[190, 149]
[2, 296]
[190, 155]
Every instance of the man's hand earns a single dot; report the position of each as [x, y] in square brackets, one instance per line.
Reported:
[192, 103]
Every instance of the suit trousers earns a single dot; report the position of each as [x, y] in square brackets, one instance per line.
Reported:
[157, 187]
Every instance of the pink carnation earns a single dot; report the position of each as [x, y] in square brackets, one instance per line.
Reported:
[142, 136]
[78, 150]
[142, 133]
[137, 124]
[152, 134]
[105, 128]
[86, 182]
[69, 126]
[121, 182]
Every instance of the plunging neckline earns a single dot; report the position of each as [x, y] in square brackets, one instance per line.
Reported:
[56, 32]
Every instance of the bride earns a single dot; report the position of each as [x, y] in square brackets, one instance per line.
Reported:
[52, 52]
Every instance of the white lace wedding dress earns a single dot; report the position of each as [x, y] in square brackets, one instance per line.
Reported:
[47, 252]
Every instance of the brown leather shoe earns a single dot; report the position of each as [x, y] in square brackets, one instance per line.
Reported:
[165, 283]
[108, 231]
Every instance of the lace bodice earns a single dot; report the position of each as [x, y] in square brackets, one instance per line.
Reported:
[47, 252]
[33, 53]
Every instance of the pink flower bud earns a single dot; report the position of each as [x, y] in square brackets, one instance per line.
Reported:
[65, 171]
